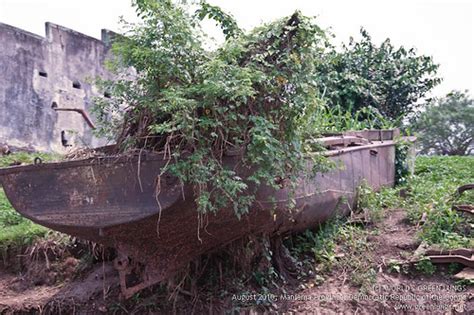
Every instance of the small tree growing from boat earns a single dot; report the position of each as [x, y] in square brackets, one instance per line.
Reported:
[255, 97]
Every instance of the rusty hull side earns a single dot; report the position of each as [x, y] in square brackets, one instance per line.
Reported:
[90, 199]
[166, 244]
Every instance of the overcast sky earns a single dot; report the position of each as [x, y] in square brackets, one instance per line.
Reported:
[443, 29]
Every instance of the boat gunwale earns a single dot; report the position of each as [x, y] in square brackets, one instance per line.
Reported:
[150, 156]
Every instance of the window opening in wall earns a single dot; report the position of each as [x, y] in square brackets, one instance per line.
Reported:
[43, 74]
[64, 139]
[76, 84]
[54, 105]
[107, 95]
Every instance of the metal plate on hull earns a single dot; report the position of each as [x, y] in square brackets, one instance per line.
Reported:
[92, 195]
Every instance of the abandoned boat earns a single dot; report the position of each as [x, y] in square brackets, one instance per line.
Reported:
[113, 200]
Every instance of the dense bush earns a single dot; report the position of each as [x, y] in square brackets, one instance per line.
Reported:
[389, 79]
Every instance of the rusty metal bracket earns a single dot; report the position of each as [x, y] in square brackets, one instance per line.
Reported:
[464, 207]
[464, 256]
[80, 111]
[126, 269]
[463, 188]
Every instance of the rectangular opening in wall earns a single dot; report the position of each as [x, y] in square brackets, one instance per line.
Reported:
[43, 74]
[107, 94]
[76, 84]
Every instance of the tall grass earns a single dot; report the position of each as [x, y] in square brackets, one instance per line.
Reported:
[335, 119]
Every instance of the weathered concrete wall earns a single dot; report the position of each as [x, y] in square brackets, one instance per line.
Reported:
[36, 71]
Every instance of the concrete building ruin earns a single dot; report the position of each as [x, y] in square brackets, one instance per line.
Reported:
[40, 73]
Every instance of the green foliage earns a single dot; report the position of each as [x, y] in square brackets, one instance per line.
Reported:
[336, 245]
[320, 243]
[264, 95]
[16, 230]
[447, 125]
[8, 216]
[402, 160]
[26, 158]
[389, 79]
[21, 234]
[394, 266]
[249, 96]
[372, 204]
[467, 197]
[432, 191]
[227, 22]
[425, 266]
[336, 118]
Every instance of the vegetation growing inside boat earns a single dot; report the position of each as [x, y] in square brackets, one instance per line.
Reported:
[261, 97]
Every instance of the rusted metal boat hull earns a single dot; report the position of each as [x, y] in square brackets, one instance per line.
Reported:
[115, 202]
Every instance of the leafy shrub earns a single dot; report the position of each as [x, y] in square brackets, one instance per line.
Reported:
[387, 78]
[251, 95]
[262, 94]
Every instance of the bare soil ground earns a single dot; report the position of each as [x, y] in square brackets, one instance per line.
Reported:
[19, 295]
[390, 293]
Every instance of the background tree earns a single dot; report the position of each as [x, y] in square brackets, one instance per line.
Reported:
[391, 80]
[447, 125]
